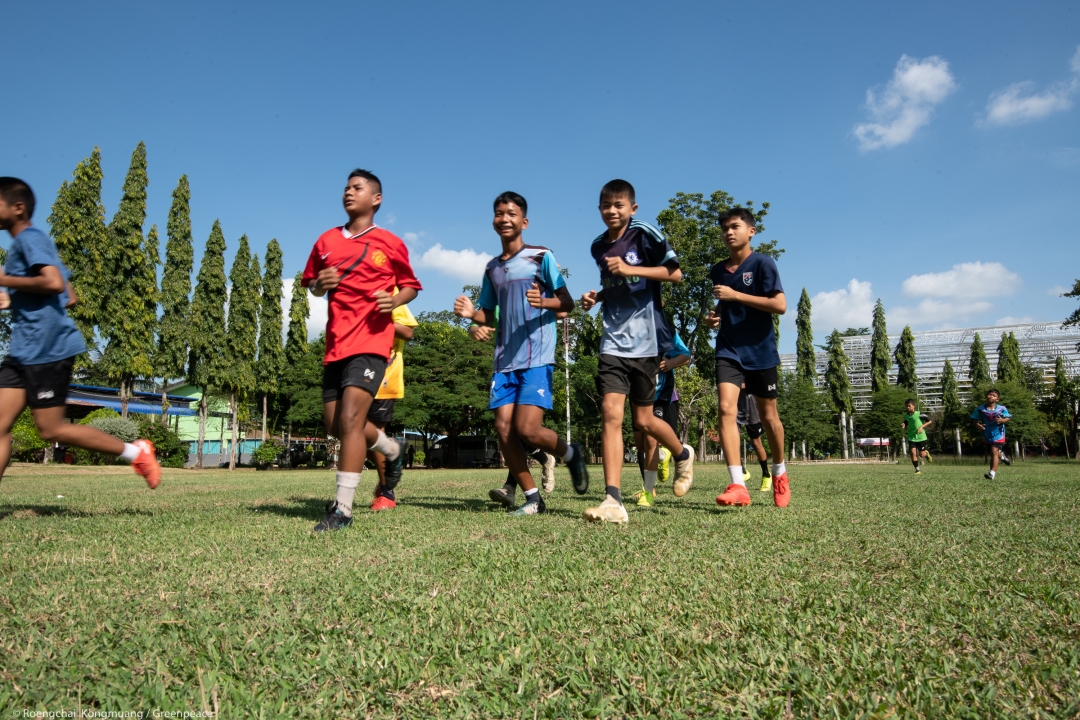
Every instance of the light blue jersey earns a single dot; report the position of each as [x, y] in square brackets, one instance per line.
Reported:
[992, 432]
[665, 381]
[525, 337]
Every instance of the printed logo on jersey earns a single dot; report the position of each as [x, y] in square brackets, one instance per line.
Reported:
[747, 278]
[632, 258]
[541, 391]
[379, 258]
[324, 255]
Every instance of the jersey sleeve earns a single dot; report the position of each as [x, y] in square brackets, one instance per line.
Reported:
[405, 277]
[313, 267]
[678, 346]
[769, 276]
[975, 414]
[1005, 412]
[549, 273]
[38, 249]
[488, 301]
[658, 251]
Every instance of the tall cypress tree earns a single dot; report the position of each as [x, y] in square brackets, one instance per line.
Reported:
[978, 365]
[78, 227]
[950, 396]
[128, 282]
[206, 357]
[880, 358]
[1009, 366]
[837, 381]
[241, 334]
[906, 376]
[268, 369]
[804, 342]
[296, 343]
[170, 358]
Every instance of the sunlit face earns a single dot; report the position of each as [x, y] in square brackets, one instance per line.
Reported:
[616, 210]
[992, 397]
[910, 407]
[360, 197]
[737, 234]
[509, 220]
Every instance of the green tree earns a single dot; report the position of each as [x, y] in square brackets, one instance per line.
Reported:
[296, 354]
[170, 358]
[805, 363]
[953, 414]
[885, 414]
[978, 365]
[906, 376]
[1009, 366]
[78, 227]
[129, 281]
[880, 357]
[805, 414]
[241, 335]
[837, 381]
[1074, 318]
[1060, 407]
[855, 332]
[271, 353]
[206, 357]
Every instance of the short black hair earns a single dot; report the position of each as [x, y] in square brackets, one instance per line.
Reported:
[909, 401]
[512, 197]
[13, 190]
[618, 187]
[737, 212]
[369, 176]
[992, 390]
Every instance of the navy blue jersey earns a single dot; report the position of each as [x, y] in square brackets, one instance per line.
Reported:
[746, 335]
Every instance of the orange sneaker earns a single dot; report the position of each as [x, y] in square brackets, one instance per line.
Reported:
[382, 503]
[781, 493]
[735, 494]
[146, 464]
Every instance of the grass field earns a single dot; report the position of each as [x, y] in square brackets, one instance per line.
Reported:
[873, 594]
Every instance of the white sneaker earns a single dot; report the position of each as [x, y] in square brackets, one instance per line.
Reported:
[548, 474]
[608, 511]
[684, 474]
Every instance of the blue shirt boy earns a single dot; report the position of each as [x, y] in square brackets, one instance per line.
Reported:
[746, 335]
[992, 432]
[665, 381]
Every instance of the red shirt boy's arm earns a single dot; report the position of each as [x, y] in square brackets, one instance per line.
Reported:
[314, 265]
[406, 278]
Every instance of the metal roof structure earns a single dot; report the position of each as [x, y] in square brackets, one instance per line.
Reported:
[1040, 345]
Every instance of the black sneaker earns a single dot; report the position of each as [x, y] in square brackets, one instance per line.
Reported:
[579, 471]
[393, 467]
[1005, 460]
[502, 497]
[334, 520]
[988, 476]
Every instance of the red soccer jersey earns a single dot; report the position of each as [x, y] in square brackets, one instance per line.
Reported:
[368, 262]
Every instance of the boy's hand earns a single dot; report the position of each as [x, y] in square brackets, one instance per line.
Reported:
[617, 266]
[723, 293]
[712, 320]
[1000, 420]
[463, 307]
[534, 297]
[384, 301]
[73, 299]
[588, 300]
[980, 426]
[5, 300]
[327, 279]
[480, 333]
[663, 365]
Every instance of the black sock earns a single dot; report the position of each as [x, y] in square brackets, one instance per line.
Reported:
[533, 494]
[684, 455]
[743, 469]
[540, 456]
[613, 491]
[764, 467]
[510, 486]
[915, 463]
[386, 493]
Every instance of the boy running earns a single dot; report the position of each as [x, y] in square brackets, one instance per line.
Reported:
[392, 389]
[665, 407]
[916, 426]
[634, 258]
[991, 418]
[524, 286]
[45, 342]
[359, 264]
[749, 418]
[748, 288]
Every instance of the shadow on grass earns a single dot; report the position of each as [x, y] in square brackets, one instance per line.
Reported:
[25, 512]
[309, 508]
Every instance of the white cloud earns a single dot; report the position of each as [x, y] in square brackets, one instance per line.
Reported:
[1057, 290]
[467, 265]
[1010, 320]
[852, 306]
[966, 281]
[936, 313]
[1018, 103]
[904, 105]
[319, 310]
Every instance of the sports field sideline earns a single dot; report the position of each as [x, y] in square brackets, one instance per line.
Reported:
[874, 592]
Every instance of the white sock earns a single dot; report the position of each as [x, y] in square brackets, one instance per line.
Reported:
[386, 446]
[993, 473]
[736, 473]
[347, 482]
[569, 454]
[650, 480]
[131, 453]
[779, 469]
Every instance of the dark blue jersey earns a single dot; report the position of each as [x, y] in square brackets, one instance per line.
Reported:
[746, 335]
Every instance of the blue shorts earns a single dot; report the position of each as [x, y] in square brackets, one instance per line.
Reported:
[531, 386]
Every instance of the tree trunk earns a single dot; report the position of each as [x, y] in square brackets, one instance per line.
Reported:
[701, 438]
[202, 431]
[851, 426]
[123, 398]
[843, 431]
[221, 440]
[233, 411]
[164, 403]
[264, 418]
[288, 446]
[959, 450]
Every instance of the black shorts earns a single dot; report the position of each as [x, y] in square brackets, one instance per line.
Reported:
[635, 377]
[669, 413]
[46, 384]
[381, 411]
[759, 383]
[362, 371]
[754, 430]
[919, 445]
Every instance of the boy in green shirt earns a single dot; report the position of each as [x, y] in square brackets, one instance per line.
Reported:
[916, 424]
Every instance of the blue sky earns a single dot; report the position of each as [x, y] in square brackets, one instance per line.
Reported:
[924, 153]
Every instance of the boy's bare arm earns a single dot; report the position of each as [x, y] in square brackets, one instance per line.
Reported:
[676, 362]
[403, 331]
[775, 303]
[463, 308]
[561, 303]
[660, 273]
[48, 281]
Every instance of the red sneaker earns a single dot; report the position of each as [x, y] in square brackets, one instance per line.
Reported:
[146, 464]
[735, 494]
[382, 503]
[781, 493]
